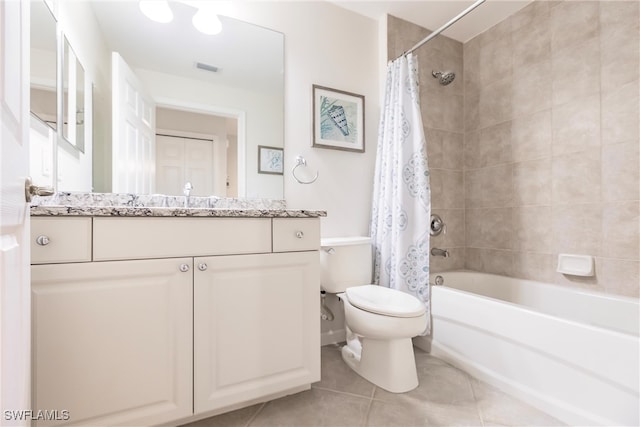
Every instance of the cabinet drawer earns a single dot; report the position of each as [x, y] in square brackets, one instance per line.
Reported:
[69, 240]
[140, 238]
[296, 234]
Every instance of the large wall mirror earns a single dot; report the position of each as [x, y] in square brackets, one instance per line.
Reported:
[203, 102]
[44, 71]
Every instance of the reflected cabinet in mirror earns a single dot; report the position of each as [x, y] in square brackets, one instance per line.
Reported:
[187, 105]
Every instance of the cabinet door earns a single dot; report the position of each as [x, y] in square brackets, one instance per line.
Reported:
[256, 326]
[113, 341]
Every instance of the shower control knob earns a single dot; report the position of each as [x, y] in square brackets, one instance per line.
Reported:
[42, 240]
[299, 234]
[202, 266]
[184, 267]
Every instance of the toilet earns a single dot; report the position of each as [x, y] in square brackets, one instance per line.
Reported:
[379, 321]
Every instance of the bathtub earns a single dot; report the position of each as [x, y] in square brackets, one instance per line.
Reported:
[574, 354]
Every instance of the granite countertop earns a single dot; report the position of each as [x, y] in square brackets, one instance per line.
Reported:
[156, 205]
[138, 211]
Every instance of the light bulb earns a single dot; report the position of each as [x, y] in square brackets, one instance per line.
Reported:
[157, 10]
[207, 22]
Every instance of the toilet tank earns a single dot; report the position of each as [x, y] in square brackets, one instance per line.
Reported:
[345, 262]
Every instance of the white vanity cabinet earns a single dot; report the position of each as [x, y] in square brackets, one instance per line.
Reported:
[112, 341]
[172, 318]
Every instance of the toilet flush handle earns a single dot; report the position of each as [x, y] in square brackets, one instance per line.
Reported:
[330, 251]
[299, 234]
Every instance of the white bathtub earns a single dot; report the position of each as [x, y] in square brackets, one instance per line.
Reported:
[571, 353]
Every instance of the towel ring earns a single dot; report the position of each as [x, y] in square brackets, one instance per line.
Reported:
[302, 161]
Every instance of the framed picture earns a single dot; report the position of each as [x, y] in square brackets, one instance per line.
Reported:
[270, 160]
[338, 119]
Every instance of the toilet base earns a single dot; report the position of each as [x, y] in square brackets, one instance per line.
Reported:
[389, 364]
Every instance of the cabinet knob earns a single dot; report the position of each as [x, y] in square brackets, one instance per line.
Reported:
[42, 240]
[184, 267]
[202, 266]
[299, 234]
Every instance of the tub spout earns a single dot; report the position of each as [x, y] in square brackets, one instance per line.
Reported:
[440, 252]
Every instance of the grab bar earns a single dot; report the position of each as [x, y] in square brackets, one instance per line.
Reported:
[302, 161]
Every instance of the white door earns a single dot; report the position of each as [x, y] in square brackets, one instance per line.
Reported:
[129, 360]
[183, 159]
[134, 122]
[268, 298]
[15, 313]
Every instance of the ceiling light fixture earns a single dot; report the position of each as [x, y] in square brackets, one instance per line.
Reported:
[157, 10]
[207, 22]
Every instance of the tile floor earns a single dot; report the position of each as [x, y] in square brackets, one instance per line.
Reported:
[446, 396]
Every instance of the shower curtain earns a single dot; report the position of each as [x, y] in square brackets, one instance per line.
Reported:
[401, 192]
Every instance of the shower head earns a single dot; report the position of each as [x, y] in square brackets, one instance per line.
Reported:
[444, 78]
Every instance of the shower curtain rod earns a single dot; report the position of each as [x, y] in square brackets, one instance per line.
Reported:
[444, 27]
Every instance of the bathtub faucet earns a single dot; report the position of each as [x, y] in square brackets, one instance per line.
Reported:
[440, 252]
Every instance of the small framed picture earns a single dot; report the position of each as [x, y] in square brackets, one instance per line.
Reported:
[338, 119]
[270, 160]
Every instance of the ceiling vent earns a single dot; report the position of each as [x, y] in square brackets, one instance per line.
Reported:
[207, 67]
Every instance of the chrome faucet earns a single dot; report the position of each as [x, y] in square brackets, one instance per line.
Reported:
[440, 252]
[187, 193]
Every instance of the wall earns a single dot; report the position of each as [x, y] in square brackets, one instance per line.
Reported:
[551, 143]
[442, 119]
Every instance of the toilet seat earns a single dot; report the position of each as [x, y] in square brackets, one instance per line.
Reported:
[385, 301]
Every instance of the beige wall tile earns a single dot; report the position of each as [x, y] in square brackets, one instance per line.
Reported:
[492, 261]
[489, 228]
[618, 16]
[437, 191]
[452, 189]
[472, 149]
[531, 136]
[533, 266]
[495, 102]
[531, 43]
[532, 230]
[495, 60]
[452, 109]
[455, 261]
[573, 22]
[497, 186]
[575, 71]
[576, 178]
[620, 44]
[434, 138]
[532, 183]
[471, 111]
[531, 89]
[454, 235]
[473, 188]
[621, 171]
[576, 125]
[621, 114]
[620, 230]
[535, 13]
[502, 30]
[471, 65]
[621, 277]
[495, 145]
[577, 228]
[453, 150]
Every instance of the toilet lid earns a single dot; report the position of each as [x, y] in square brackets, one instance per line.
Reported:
[386, 301]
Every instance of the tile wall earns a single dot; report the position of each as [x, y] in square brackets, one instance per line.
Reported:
[551, 155]
[534, 148]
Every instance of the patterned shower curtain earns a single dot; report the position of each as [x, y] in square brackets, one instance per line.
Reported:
[401, 192]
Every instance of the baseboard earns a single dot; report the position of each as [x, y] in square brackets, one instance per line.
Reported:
[333, 337]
